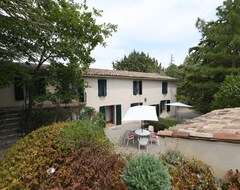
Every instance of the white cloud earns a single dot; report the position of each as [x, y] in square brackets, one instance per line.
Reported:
[157, 27]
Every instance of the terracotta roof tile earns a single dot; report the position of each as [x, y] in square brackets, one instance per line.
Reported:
[219, 125]
[126, 74]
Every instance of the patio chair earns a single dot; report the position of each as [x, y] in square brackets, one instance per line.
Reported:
[154, 137]
[143, 142]
[151, 129]
[129, 137]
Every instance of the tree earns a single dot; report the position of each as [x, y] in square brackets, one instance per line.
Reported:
[229, 93]
[48, 31]
[216, 55]
[220, 43]
[139, 62]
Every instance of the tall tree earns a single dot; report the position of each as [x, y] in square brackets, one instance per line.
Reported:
[48, 31]
[220, 43]
[138, 61]
[216, 55]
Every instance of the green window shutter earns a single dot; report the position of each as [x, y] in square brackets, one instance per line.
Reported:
[157, 110]
[140, 87]
[102, 87]
[161, 103]
[103, 110]
[105, 88]
[99, 88]
[134, 87]
[18, 88]
[164, 87]
[168, 107]
[118, 115]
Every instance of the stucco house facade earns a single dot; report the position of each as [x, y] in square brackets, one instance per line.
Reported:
[111, 92]
[114, 92]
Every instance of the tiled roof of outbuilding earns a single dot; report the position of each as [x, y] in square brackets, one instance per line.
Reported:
[126, 74]
[218, 125]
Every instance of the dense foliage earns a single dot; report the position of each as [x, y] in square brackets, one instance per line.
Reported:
[233, 181]
[48, 31]
[162, 124]
[216, 56]
[138, 61]
[188, 174]
[146, 172]
[229, 93]
[79, 152]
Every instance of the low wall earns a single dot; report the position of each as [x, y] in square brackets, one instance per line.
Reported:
[221, 156]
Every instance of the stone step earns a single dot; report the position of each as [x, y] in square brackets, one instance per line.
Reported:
[9, 125]
[10, 120]
[10, 114]
[9, 131]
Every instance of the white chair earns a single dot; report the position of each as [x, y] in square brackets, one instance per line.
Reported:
[151, 129]
[142, 142]
[154, 137]
[129, 137]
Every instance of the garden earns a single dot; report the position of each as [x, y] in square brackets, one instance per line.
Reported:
[78, 155]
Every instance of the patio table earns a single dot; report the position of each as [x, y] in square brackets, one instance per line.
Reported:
[142, 132]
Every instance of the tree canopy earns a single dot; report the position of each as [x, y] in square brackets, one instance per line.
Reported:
[54, 32]
[216, 56]
[46, 31]
[138, 61]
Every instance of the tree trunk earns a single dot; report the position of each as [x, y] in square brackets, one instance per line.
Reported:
[29, 107]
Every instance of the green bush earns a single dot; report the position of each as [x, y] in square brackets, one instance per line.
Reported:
[89, 113]
[146, 172]
[25, 165]
[188, 174]
[162, 124]
[82, 131]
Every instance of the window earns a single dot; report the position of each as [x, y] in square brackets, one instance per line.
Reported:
[102, 87]
[164, 87]
[136, 104]
[137, 87]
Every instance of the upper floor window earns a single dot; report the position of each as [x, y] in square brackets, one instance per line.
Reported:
[102, 87]
[164, 87]
[137, 87]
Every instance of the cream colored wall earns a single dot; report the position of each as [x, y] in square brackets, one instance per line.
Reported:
[7, 97]
[120, 91]
[220, 156]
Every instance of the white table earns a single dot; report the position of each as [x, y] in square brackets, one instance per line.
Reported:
[142, 132]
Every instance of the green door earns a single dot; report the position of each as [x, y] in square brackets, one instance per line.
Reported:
[118, 115]
[102, 109]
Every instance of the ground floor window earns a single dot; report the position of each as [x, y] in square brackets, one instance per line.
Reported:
[136, 104]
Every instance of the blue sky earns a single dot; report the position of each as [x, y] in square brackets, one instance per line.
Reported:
[160, 28]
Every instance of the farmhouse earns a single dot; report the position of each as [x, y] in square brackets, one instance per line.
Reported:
[110, 92]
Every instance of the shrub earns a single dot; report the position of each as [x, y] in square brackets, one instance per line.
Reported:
[25, 164]
[91, 166]
[89, 113]
[146, 172]
[161, 124]
[82, 131]
[188, 174]
[233, 181]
